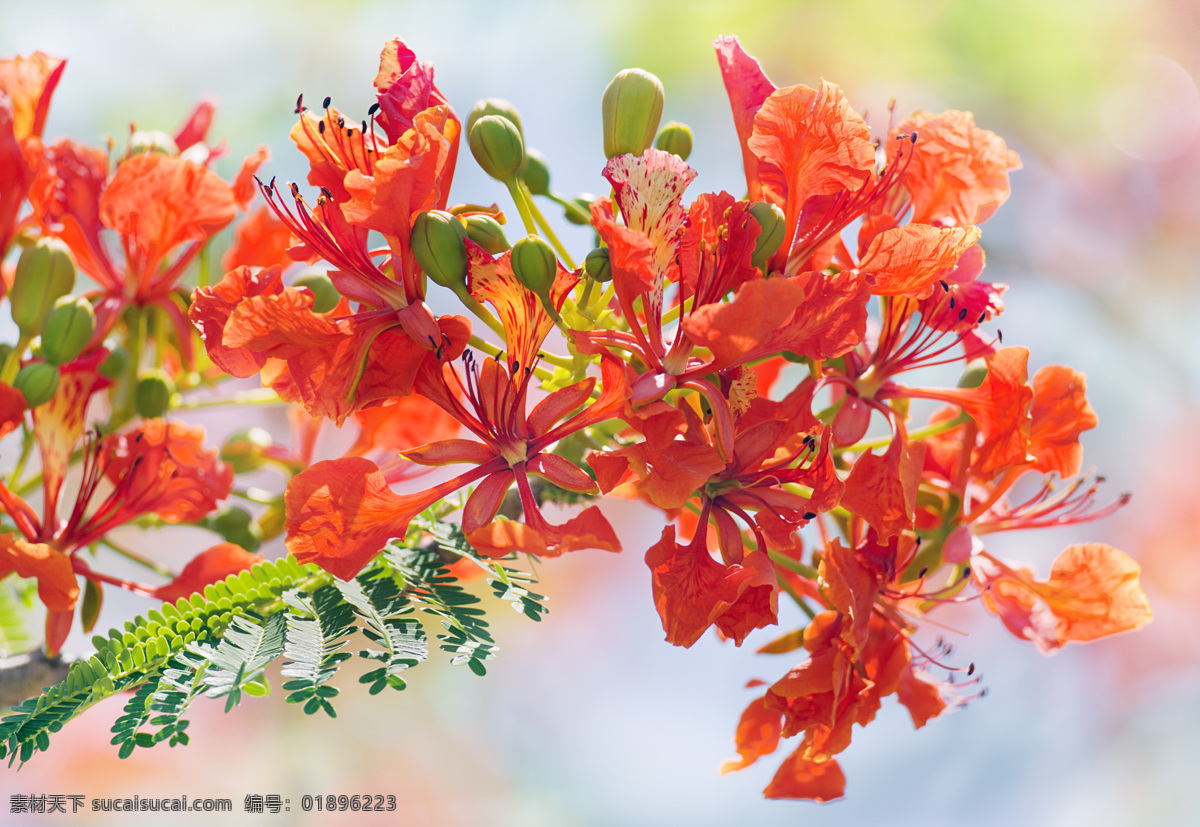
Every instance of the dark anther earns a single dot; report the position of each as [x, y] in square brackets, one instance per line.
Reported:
[922, 574]
[810, 515]
[918, 542]
[327, 193]
[983, 693]
[321, 127]
[967, 571]
[374, 108]
[445, 339]
[138, 438]
[271, 186]
[951, 302]
[325, 103]
[295, 189]
[971, 670]
[982, 317]
[913, 137]
[364, 126]
[342, 122]
[1000, 336]
[962, 314]
[299, 104]
[945, 286]
[1124, 498]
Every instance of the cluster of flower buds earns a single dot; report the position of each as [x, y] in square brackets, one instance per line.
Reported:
[735, 363]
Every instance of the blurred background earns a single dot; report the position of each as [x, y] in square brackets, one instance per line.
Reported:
[590, 718]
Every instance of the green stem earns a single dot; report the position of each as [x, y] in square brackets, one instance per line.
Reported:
[256, 397]
[12, 363]
[549, 232]
[202, 266]
[481, 312]
[496, 353]
[673, 314]
[783, 561]
[920, 433]
[158, 568]
[571, 207]
[800, 601]
[27, 441]
[518, 198]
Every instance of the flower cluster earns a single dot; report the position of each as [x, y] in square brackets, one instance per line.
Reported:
[745, 366]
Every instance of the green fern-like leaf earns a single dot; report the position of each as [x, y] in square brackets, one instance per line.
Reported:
[313, 646]
[244, 651]
[219, 643]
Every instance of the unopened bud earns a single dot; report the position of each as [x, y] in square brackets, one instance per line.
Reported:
[632, 107]
[494, 106]
[115, 363]
[437, 245]
[598, 266]
[38, 382]
[272, 522]
[487, 233]
[675, 138]
[67, 330]
[89, 611]
[497, 146]
[45, 272]
[152, 141]
[325, 295]
[534, 264]
[152, 395]
[974, 374]
[246, 450]
[536, 174]
[773, 223]
[236, 525]
[582, 214]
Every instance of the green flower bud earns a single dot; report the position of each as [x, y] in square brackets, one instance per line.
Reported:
[675, 138]
[236, 525]
[487, 233]
[115, 363]
[45, 272]
[534, 264]
[773, 224]
[38, 382]
[494, 106]
[247, 450]
[152, 141]
[89, 611]
[536, 174]
[67, 330]
[974, 374]
[325, 295]
[632, 107]
[152, 395]
[597, 265]
[584, 204]
[437, 245]
[497, 146]
[272, 522]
